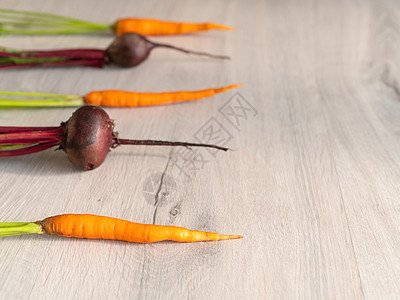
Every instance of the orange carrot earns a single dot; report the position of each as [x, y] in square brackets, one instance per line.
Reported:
[100, 227]
[117, 98]
[25, 22]
[157, 27]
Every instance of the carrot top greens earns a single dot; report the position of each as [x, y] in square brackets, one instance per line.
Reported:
[27, 99]
[19, 228]
[26, 22]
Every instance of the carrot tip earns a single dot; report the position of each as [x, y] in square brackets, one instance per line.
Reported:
[230, 237]
[236, 236]
[232, 86]
[221, 27]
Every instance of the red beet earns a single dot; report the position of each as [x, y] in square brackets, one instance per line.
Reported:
[131, 49]
[86, 137]
[127, 50]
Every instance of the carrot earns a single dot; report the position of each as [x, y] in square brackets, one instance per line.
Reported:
[116, 98]
[157, 27]
[107, 228]
[111, 98]
[26, 22]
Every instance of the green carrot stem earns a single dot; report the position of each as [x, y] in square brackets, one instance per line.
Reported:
[18, 228]
[44, 24]
[52, 17]
[29, 94]
[12, 103]
[55, 31]
[24, 22]
[28, 27]
[39, 100]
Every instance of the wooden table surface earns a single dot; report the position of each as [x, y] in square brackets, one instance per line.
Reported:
[313, 183]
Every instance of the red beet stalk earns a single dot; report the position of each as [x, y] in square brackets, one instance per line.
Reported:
[56, 58]
[29, 139]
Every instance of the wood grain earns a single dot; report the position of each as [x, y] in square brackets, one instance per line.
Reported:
[312, 183]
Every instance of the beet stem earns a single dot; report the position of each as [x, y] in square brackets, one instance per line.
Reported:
[87, 63]
[11, 142]
[69, 53]
[35, 135]
[27, 150]
[118, 142]
[9, 129]
[96, 63]
[9, 54]
[28, 140]
[10, 58]
[61, 53]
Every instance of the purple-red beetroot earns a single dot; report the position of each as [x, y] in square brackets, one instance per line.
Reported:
[127, 50]
[86, 137]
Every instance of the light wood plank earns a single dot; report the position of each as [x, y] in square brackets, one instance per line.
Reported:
[312, 182]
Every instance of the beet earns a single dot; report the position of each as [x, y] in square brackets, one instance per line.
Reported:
[127, 50]
[131, 49]
[86, 137]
